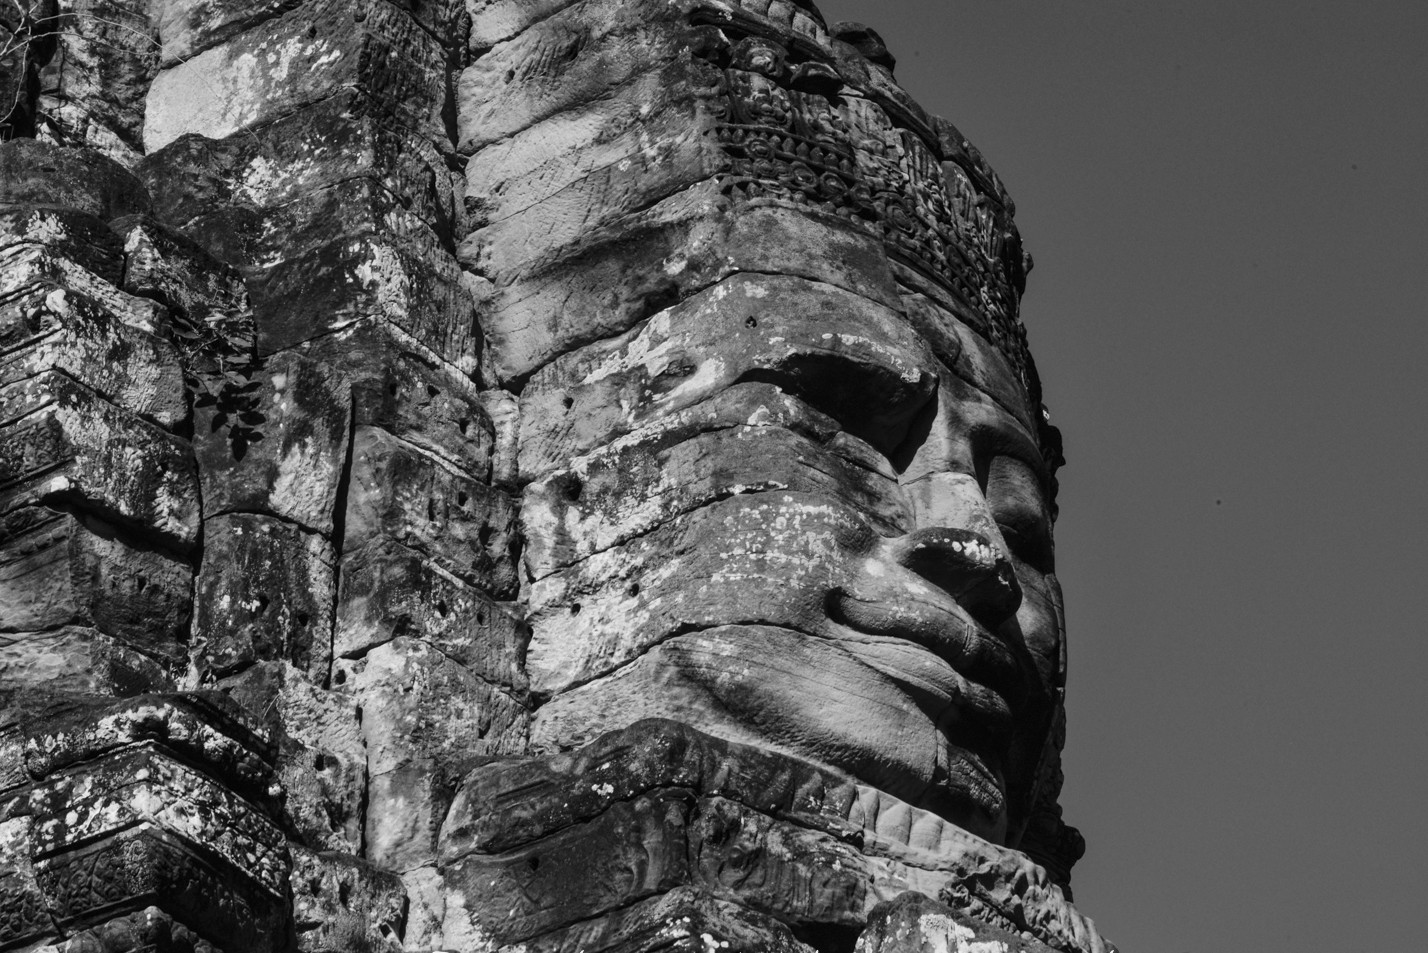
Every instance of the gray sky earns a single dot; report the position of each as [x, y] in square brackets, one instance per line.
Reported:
[1226, 203]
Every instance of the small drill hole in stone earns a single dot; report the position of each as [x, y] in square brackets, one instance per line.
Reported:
[262, 604]
[484, 534]
[463, 425]
[304, 618]
[432, 391]
[140, 584]
[752, 322]
[568, 402]
[634, 589]
[431, 511]
[481, 617]
[441, 608]
[575, 608]
[461, 498]
[393, 389]
[339, 678]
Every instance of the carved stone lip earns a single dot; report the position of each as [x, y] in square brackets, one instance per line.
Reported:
[986, 677]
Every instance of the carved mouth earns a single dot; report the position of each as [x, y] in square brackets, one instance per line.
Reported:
[989, 681]
[972, 688]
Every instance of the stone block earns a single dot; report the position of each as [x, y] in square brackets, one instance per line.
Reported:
[295, 467]
[429, 405]
[342, 904]
[187, 27]
[816, 341]
[344, 136]
[645, 480]
[92, 89]
[622, 273]
[770, 558]
[264, 593]
[321, 763]
[164, 265]
[36, 174]
[389, 591]
[80, 660]
[426, 721]
[52, 329]
[34, 269]
[566, 60]
[495, 20]
[60, 569]
[634, 850]
[78, 237]
[311, 52]
[466, 527]
[567, 174]
[60, 442]
[416, 290]
[913, 923]
[204, 728]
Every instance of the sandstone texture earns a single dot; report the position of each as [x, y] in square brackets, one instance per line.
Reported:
[515, 475]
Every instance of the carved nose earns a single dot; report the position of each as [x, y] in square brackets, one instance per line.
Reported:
[965, 564]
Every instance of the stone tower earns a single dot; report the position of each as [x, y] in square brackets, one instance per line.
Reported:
[514, 475]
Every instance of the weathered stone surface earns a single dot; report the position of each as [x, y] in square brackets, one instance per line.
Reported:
[59, 569]
[144, 867]
[389, 591]
[914, 924]
[426, 720]
[30, 268]
[643, 482]
[321, 761]
[811, 339]
[430, 405]
[77, 237]
[264, 593]
[164, 265]
[347, 279]
[294, 455]
[776, 834]
[341, 137]
[626, 498]
[464, 526]
[613, 155]
[342, 904]
[52, 328]
[81, 660]
[685, 919]
[568, 59]
[63, 443]
[311, 52]
[37, 174]
[637, 265]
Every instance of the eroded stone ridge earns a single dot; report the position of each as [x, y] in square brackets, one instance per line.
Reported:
[514, 475]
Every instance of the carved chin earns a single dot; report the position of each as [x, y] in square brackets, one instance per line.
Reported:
[888, 715]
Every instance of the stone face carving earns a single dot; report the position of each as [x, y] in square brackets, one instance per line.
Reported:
[521, 474]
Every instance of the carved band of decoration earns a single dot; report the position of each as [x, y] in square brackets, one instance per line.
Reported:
[113, 806]
[144, 867]
[790, 133]
[660, 805]
[143, 786]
